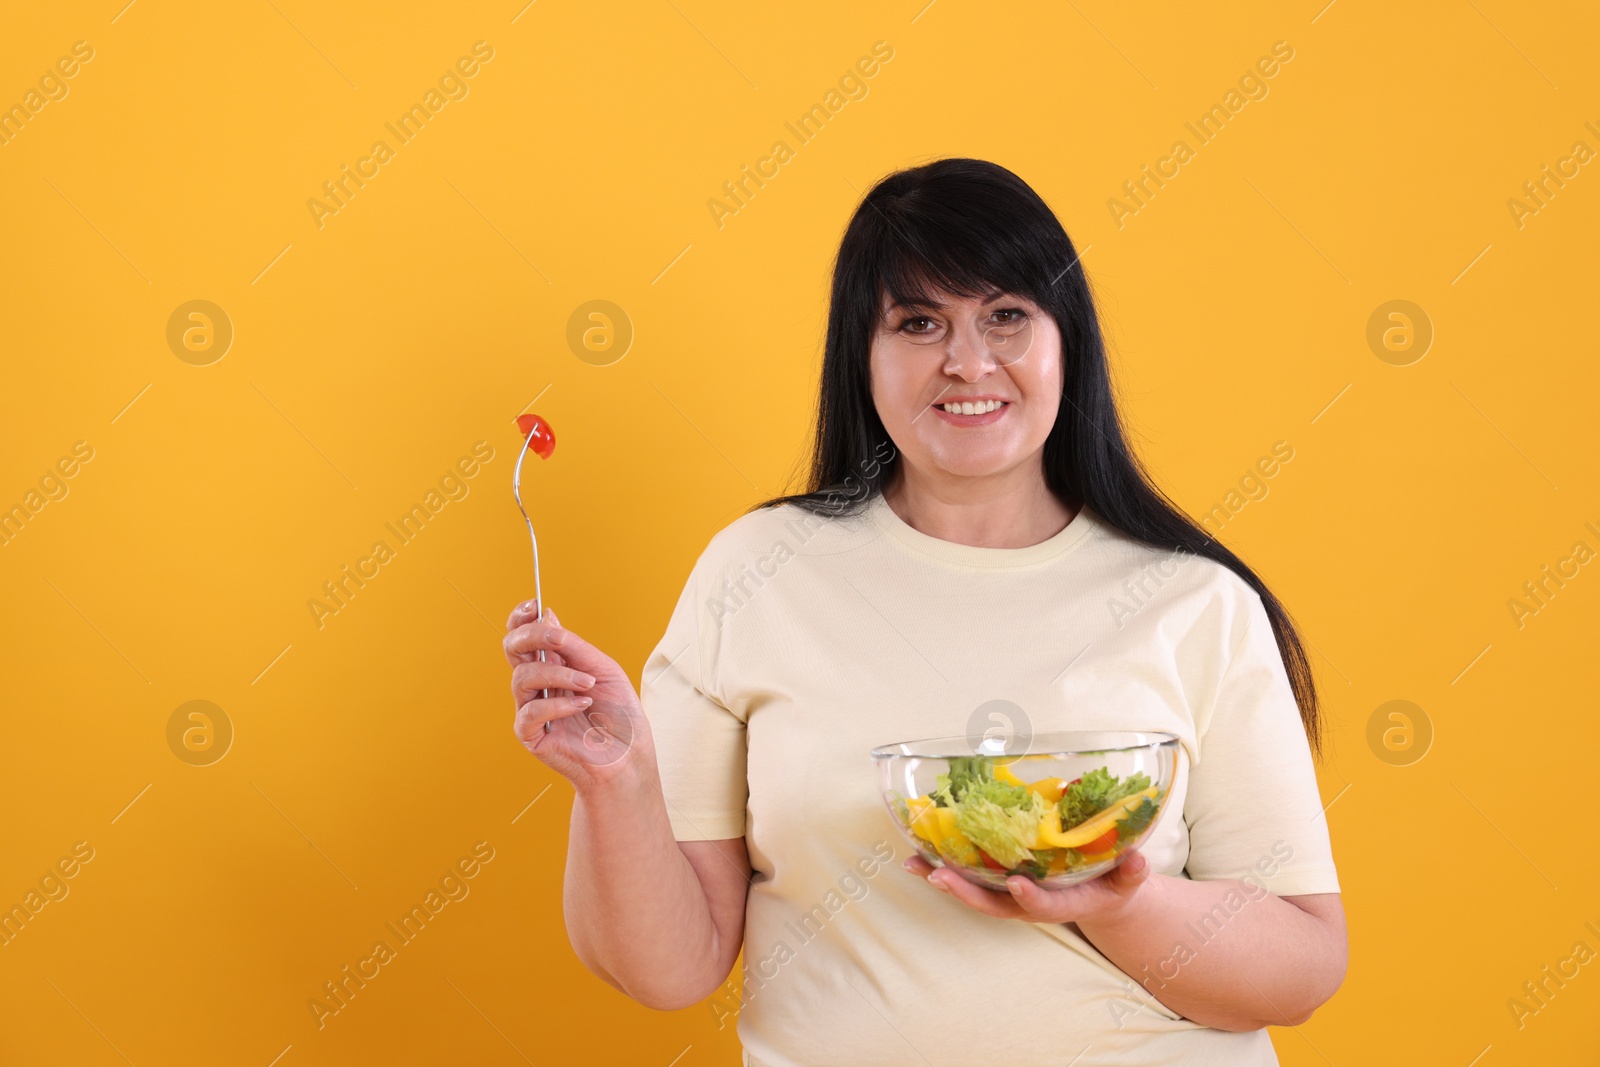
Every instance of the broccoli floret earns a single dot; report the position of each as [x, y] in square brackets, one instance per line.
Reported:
[965, 771]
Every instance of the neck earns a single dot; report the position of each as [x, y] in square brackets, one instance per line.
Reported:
[1010, 510]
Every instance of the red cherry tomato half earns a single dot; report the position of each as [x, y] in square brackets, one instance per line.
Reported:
[1100, 844]
[990, 862]
[541, 438]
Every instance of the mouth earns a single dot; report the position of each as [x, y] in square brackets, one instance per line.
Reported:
[972, 412]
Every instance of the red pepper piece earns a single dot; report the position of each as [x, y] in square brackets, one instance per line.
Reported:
[1103, 843]
[541, 439]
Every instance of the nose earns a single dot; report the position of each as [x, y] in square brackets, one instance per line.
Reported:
[967, 356]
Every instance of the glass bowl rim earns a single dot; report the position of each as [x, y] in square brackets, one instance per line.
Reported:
[960, 746]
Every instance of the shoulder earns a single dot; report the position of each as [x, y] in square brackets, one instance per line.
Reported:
[766, 534]
[1184, 579]
[754, 531]
[754, 527]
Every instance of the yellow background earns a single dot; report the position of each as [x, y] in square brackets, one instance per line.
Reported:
[370, 354]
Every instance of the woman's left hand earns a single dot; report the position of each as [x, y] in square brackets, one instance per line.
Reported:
[1107, 896]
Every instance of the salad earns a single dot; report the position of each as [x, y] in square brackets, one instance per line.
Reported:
[981, 815]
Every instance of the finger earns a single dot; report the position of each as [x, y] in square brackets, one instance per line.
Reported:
[528, 611]
[552, 657]
[524, 641]
[1132, 872]
[1035, 900]
[918, 866]
[532, 676]
[515, 658]
[531, 717]
[520, 614]
[533, 636]
[975, 896]
[524, 657]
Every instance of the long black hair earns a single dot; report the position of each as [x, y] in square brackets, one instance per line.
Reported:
[967, 227]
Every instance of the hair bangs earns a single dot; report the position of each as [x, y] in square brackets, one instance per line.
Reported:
[922, 254]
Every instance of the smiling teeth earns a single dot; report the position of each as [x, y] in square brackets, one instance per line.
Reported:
[969, 408]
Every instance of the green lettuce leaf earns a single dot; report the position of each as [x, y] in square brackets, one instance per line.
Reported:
[1136, 821]
[1002, 793]
[1095, 792]
[1006, 833]
[965, 772]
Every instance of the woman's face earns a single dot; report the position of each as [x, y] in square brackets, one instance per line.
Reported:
[997, 359]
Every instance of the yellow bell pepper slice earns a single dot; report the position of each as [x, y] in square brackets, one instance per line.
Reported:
[1051, 834]
[1003, 773]
[937, 827]
[921, 822]
[951, 842]
[1049, 788]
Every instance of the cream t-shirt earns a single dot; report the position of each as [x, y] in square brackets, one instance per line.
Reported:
[800, 643]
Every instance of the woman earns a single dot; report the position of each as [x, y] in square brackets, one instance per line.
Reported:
[976, 530]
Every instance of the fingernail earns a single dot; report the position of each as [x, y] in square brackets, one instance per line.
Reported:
[557, 636]
[938, 884]
[584, 702]
[585, 680]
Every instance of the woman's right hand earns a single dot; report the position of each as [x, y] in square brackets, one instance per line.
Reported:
[598, 728]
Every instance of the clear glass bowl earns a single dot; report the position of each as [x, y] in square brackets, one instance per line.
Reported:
[1007, 796]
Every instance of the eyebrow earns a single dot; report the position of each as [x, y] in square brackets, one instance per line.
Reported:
[989, 296]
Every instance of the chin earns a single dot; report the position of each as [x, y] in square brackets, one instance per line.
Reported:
[968, 465]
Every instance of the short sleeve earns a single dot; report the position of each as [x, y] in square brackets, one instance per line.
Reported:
[1253, 809]
[700, 744]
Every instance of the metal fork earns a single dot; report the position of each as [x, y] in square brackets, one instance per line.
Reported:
[538, 591]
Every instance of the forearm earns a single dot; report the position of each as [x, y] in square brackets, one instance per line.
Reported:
[1225, 954]
[636, 913]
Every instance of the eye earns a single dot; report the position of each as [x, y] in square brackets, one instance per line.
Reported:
[1010, 316]
[916, 324]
